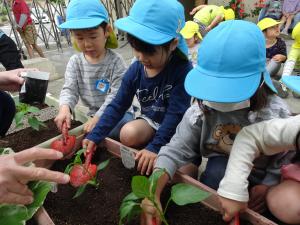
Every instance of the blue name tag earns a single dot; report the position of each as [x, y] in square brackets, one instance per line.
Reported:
[102, 85]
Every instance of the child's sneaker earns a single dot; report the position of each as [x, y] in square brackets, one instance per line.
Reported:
[281, 89]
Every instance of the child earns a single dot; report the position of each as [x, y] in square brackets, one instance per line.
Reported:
[192, 36]
[293, 61]
[268, 138]
[289, 10]
[275, 48]
[209, 16]
[232, 92]
[156, 78]
[25, 27]
[95, 74]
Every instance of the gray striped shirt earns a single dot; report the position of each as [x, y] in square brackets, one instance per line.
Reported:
[81, 77]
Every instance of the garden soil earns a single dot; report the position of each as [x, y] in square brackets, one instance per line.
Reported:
[101, 206]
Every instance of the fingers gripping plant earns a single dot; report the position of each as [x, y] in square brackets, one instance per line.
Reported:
[25, 109]
[85, 174]
[143, 187]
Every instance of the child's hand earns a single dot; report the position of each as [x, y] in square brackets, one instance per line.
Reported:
[231, 208]
[257, 198]
[90, 124]
[279, 58]
[146, 161]
[89, 145]
[63, 115]
[150, 213]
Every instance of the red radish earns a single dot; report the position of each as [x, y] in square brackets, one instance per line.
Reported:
[79, 175]
[237, 219]
[66, 143]
[153, 221]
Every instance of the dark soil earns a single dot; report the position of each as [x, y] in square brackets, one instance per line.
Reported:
[101, 206]
[28, 137]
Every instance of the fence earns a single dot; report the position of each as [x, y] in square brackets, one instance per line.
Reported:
[48, 14]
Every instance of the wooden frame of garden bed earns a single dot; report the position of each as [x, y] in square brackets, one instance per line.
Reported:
[113, 147]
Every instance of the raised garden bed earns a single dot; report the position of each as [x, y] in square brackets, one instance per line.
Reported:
[101, 206]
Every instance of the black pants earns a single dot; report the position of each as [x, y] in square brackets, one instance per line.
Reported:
[7, 112]
[9, 55]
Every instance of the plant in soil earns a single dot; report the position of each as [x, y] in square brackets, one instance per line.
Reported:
[83, 174]
[23, 110]
[143, 187]
[19, 214]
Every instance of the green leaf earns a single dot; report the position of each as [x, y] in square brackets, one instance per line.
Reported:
[40, 190]
[69, 168]
[19, 117]
[129, 208]
[34, 123]
[154, 178]
[140, 186]
[33, 109]
[17, 214]
[102, 165]
[131, 197]
[183, 194]
[79, 191]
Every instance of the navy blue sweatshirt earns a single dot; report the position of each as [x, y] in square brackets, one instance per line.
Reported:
[162, 98]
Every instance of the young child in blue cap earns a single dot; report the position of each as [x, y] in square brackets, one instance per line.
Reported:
[156, 78]
[233, 89]
[94, 75]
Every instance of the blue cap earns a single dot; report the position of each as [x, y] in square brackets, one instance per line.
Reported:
[231, 61]
[292, 82]
[155, 22]
[83, 14]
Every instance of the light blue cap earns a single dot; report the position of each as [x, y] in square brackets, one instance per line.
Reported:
[292, 82]
[83, 14]
[155, 22]
[231, 62]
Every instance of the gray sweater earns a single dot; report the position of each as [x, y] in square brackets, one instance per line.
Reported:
[81, 77]
[211, 133]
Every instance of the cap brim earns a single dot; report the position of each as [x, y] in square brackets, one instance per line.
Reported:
[218, 89]
[292, 82]
[142, 32]
[268, 81]
[81, 23]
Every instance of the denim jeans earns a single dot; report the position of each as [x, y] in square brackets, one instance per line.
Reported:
[7, 112]
[214, 172]
[115, 133]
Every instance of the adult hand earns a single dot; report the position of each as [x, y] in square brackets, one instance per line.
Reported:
[19, 29]
[146, 161]
[90, 124]
[149, 212]
[14, 175]
[64, 114]
[257, 200]
[231, 207]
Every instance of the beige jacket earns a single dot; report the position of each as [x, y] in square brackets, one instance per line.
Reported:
[267, 137]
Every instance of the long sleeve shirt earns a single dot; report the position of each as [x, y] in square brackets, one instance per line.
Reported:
[268, 137]
[163, 99]
[211, 133]
[81, 78]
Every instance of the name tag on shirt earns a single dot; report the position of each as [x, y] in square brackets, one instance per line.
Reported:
[102, 85]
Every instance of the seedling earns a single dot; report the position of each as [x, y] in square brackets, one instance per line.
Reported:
[85, 174]
[143, 187]
[25, 109]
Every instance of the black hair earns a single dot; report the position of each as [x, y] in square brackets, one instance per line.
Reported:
[103, 25]
[144, 47]
[296, 158]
